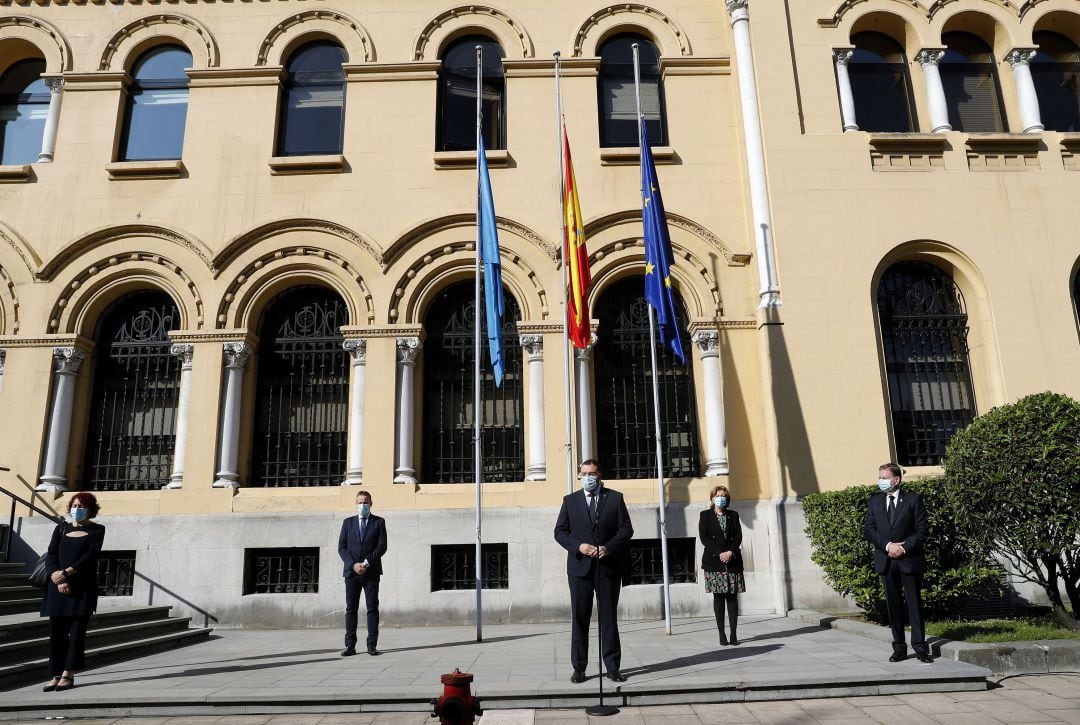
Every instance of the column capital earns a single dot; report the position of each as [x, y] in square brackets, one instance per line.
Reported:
[841, 56]
[407, 349]
[236, 354]
[929, 56]
[55, 84]
[68, 360]
[357, 349]
[585, 354]
[1020, 56]
[184, 351]
[707, 343]
[533, 345]
[734, 5]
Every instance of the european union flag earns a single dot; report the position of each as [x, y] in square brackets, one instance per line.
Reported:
[488, 249]
[658, 256]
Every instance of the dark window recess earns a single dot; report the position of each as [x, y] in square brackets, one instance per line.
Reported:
[281, 571]
[453, 566]
[136, 391]
[1056, 72]
[116, 573]
[645, 564]
[448, 393]
[625, 433]
[301, 412]
[312, 103]
[972, 92]
[456, 127]
[156, 108]
[878, 72]
[924, 328]
[615, 90]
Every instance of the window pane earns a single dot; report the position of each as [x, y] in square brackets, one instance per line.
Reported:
[312, 111]
[156, 122]
[1056, 72]
[457, 96]
[615, 87]
[971, 92]
[881, 97]
[24, 105]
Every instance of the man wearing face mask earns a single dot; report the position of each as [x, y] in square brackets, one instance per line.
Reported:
[896, 524]
[594, 527]
[361, 546]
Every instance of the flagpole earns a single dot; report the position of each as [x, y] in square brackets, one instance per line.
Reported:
[476, 358]
[655, 387]
[559, 129]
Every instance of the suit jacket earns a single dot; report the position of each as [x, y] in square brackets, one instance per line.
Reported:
[909, 527]
[354, 551]
[613, 530]
[716, 542]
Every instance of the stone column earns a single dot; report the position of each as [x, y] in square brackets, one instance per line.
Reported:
[185, 352]
[928, 59]
[354, 466]
[236, 355]
[407, 350]
[533, 345]
[716, 456]
[52, 120]
[66, 364]
[583, 378]
[1020, 61]
[841, 56]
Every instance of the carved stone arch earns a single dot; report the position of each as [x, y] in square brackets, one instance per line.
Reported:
[9, 304]
[17, 255]
[1006, 5]
[603, 223]
[668, 35]
[992, 22]
[1030, 5]
[260, 234]
[410, 238]
[291, 31]
[263, 277]
[141, 34]
[465, 19]
[904, 25]
[834, 20]
[108, 234]
[42, 35]
[90, 289]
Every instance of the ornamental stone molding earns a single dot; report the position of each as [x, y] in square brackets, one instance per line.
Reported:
[125, 231]
[357, 349]
[236, 354]
[638, 14]
[11, 292]
[407, 349]
[186, 353]
[533, 345]
[68, 360]
[510, 32]
[929, 56]
[44, 36]
[921, 8]
[260, 234]
[732, 5]
[413, 236]
[25, 252]
[3, 359]
[707, 342]
[841, 56]
[584, 354]
[733, 259]
[193, 34]
[1020, 56]
[351, 34]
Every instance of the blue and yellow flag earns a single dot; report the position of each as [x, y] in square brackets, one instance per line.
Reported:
[658, 256]
[488, 249]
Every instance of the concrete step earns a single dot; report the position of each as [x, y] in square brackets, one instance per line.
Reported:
[17, 627]
[17, 606]
[13, 580]
[22, 591]
[25, 650]
[11, 567]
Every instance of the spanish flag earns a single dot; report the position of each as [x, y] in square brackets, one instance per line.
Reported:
[576, 257]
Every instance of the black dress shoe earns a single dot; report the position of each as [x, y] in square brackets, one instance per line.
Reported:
[348, 652]
[724, 641]
[70, 683]
[616, 676]
[52, 685]
[897, 657]
[925, 658]
[578, 677]
[373, 652]
[733, 641]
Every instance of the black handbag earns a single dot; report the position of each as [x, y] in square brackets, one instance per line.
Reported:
[39, 577]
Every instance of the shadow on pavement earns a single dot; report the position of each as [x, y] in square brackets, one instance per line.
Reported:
[722, 655]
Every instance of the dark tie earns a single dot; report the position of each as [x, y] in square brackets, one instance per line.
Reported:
[892, 507]
[592, 506]
[363, 524]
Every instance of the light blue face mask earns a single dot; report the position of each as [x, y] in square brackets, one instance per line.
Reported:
[589, 482]
[79, 514]
[885, 484]
[363, 509]
[720, 501]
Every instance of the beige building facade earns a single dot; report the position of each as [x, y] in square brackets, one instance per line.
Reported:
[233, 299]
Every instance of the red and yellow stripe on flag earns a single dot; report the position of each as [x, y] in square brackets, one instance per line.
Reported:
[577, 257]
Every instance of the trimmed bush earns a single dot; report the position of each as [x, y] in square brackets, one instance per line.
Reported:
[954, 572]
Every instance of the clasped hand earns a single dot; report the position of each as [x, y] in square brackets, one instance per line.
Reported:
[596, 552]
[894, 549]
[725, 557]
[359, 567]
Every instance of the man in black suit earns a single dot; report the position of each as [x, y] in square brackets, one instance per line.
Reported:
[361, 546]
[594, 527]
[896, 524]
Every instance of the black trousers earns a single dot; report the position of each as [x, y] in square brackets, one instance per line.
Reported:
[898, 587]
[67, 644]
[608, 586]
[370, 587]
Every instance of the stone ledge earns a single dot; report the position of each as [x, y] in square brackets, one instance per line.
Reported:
[170, 169]
[496, 159]
[631, 156]
[314, 164]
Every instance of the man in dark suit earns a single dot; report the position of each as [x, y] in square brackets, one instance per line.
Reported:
[594, 528]
[896, 524]
[361, 546]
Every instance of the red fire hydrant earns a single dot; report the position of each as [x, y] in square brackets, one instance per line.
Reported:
[457, 706]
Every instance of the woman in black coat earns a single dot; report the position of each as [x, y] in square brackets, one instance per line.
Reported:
[721, 536]
[72, 592]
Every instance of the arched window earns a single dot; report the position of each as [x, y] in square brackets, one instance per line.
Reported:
[302, 397]
[972, 92]
[880, 84]
[156, 106]
[615, 87]
[625, 433]
[136, 389]
[1056, 72]
[924, 328]
[24, 104]
[448, 393]
[457, 96]
[312, 106]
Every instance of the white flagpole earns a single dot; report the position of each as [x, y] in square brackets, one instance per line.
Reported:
[565, 272]
[476, 361]
[662, 506]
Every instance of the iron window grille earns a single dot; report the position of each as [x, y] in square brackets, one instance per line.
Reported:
[302, 407]
[625, 430]
[116, 573]
[453, 566]
[924, 328]
[645, 562]
[448, 394]
[135, 396]
[281, 571]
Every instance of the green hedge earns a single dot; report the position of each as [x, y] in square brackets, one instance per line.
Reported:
[953, 572]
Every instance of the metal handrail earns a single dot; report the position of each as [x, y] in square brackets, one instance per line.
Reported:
[11, 516]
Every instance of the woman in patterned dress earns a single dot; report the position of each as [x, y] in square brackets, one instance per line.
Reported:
[721, 536]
